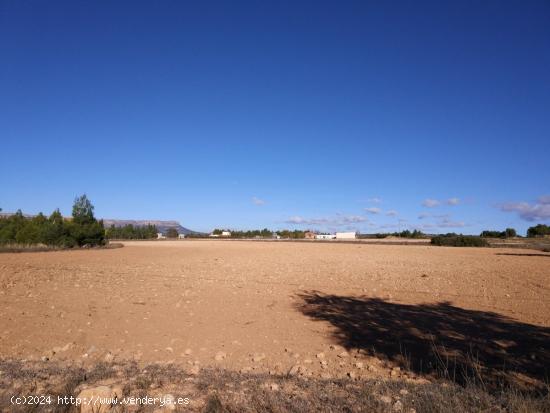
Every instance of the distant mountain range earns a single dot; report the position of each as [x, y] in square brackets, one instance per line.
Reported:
[162, 226]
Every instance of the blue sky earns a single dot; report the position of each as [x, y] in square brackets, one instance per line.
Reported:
[373, 116]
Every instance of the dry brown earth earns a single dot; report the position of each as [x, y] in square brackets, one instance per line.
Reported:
[326, 310]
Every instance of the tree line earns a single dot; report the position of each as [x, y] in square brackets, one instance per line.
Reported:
[539, 230]
[262, 233]
[507, 233]
[131, 232]
[83, 229]
[415, 234]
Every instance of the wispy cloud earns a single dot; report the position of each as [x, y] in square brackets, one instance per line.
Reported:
[348, 219]
[373, 210]
[435, 226]
[375, 200]
[431, 203]
[391, 213]
[438, 221]
[444, 223]
[424, 215]
[539, 210]
[296, 219]
[337, 220]
[448, 223]
[257, 201]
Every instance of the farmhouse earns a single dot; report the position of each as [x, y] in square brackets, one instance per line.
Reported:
[309, 235]
[160, 235]
[346, 235]
[325, 236]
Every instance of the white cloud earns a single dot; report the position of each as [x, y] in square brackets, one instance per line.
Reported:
[530, 212]
[448, 223]
[425, 215]
[257, 201]
[441, 221]
[351, 219]
[373, 210]
[445, 223]
[338, 220]
[375, 200]
[431, 203]
[298, 220]
[391, 213]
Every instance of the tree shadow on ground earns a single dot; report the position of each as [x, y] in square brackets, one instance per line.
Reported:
[438, 339]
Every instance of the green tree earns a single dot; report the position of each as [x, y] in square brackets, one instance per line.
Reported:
[83, 210]
[55, 231]
[510, 233]
[84, 228]
[539, 230]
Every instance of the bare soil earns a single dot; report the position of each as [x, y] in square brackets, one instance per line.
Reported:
[322, 311]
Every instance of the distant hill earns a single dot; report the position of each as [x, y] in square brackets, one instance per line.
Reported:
[162, 226]
[9, 214]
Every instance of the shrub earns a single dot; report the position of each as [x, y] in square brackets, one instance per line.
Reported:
[493, 234]
[508, 233]
[459, 241]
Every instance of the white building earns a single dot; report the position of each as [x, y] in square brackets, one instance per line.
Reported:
[325, 236]
[160, 235]
[181, 236]
[345, 235]
[226, 234]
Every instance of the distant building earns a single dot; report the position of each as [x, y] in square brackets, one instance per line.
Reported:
[346, 235]
[226, 234]
[325, 236]
[160, 235]
[181, 236]
[309, 235]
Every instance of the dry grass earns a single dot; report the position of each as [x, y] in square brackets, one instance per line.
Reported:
[216, 391]
[7, 248]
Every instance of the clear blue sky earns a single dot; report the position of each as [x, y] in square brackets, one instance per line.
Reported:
[362, 115]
